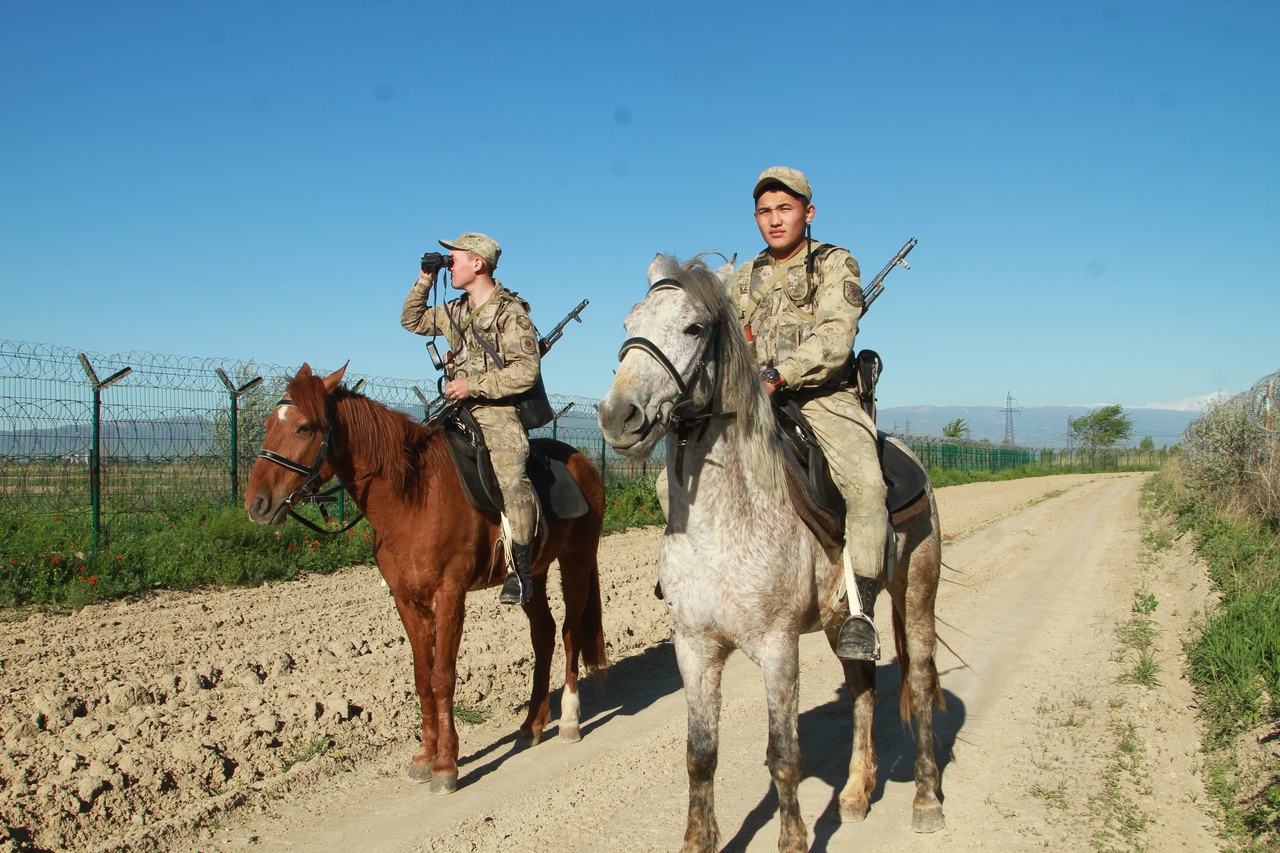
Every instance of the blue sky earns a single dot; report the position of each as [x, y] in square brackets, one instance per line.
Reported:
[1094, 186]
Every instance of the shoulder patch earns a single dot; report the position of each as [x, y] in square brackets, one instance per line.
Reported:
[852, 266]
[523, 321]
[853, 293]
[528, 345]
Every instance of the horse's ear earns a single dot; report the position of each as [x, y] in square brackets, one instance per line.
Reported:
[725, 273]
[656, 267]
[333, 380]
[304, 371]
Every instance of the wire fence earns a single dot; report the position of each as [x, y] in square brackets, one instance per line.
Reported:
[1245, 427]
[139, 432]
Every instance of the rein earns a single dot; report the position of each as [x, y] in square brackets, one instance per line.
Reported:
[683, 419]
[307, 492]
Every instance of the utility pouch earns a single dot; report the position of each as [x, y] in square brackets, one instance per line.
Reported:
[866, 373]
[534, 407]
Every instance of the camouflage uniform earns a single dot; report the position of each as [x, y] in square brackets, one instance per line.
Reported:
[504, 324]
[804, 326]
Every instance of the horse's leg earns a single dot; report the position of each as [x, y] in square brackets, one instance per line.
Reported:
[701, 661]
[583, 633]
[921, 679]
[419, 626]
[780, 662]
[573, 582]
[860, 677]
[542, 631]
[450, 609]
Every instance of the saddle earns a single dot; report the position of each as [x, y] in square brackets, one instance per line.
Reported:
[814, 494]
[557, 491]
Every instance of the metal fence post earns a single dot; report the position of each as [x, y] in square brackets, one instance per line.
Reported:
[235, 427]
[95, 452]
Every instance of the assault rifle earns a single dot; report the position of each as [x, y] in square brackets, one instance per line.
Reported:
[876, 287]
[554, 335]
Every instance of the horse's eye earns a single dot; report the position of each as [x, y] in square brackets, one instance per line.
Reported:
[693, 330]
[303, 430]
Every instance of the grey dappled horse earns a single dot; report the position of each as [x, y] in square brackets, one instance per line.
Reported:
[737, 566]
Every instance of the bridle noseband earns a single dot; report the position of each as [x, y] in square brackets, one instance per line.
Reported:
[684, 418]
[307, 492]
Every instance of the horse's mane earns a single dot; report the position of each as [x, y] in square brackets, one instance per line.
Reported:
[396, 444]
[740, 389]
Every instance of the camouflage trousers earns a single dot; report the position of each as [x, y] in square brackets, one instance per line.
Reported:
[845, 433]
[508, 445]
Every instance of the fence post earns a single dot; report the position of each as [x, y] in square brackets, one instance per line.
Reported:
[95, 452]
[602, 446]
[235, 427]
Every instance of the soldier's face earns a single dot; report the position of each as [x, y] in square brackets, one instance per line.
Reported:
[464, 268]
[781, 218]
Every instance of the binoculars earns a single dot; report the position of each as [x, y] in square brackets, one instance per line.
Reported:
[433, 262]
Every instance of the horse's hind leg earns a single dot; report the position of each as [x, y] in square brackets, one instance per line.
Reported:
[542, 631]
[701, 662]
[921, 680]
[780, 662]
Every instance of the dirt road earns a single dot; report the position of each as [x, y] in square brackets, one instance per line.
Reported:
[1049, 740]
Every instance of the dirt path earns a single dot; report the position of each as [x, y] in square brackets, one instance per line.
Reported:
[1044, 744]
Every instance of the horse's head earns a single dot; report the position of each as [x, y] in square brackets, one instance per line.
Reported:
[295, 456]
[680, 338]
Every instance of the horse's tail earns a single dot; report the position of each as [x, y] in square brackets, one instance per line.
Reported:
[593, 649]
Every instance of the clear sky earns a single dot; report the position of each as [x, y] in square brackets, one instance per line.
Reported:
[1095, 186]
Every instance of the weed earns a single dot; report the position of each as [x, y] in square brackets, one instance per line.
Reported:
[1054, 798]
[464, 713]
[1144, 603]
[305, 751]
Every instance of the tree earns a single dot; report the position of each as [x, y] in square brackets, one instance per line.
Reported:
[1146, 445]
[959, 428]
[1100, 428]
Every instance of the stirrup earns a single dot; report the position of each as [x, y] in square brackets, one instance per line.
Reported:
[859, 639]
[515, 589]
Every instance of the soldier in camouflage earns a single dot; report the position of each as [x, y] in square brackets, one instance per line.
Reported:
[495, 358]
[801, 301]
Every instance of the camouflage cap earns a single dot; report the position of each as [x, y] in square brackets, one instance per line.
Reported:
[481, 245]
[792, 179]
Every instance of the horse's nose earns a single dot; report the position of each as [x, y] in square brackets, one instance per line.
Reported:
[259, 508]
[622, 418]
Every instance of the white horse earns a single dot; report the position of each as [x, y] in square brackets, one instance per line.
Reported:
[738, 567]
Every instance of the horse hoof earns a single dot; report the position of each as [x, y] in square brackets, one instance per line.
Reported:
[419, 771]
[927, 818]
[570, 734]
[444, 783]
[853, 812]
[525, 739]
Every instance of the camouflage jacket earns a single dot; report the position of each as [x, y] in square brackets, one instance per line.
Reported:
[803, 325]
[502, 323]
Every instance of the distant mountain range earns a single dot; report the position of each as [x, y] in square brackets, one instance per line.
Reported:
[1033, 426]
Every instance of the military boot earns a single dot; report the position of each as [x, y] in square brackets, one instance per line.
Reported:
[859, 639]
[519, 584]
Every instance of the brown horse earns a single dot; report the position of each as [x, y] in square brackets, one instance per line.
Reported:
[432, 546]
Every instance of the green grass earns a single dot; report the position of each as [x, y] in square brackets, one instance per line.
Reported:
[49, 559]
[1235, 663]
[631, 502]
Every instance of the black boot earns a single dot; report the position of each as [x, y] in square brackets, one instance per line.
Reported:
[859, 639]
[519, 584]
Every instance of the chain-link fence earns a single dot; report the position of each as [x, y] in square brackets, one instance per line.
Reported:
[127, 433]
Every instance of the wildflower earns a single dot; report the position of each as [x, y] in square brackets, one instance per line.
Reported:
[119, 556]
[55, 561]
[93, 579]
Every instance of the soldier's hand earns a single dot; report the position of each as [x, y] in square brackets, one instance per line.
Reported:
[457, 389]
[427, 279]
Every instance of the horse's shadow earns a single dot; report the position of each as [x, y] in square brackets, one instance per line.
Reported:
[826, 747]
[630, 685]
